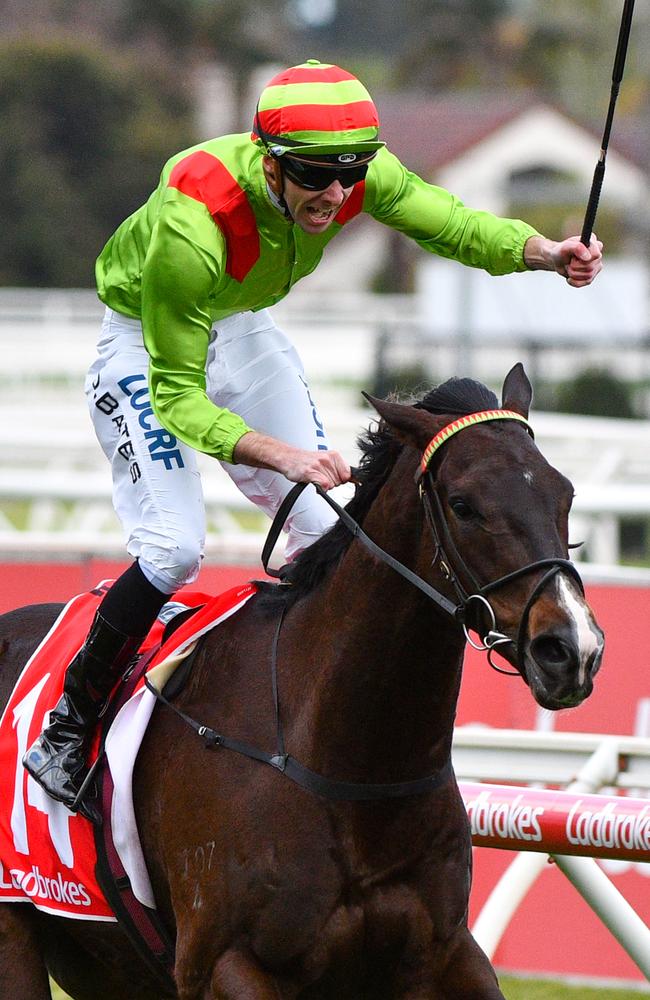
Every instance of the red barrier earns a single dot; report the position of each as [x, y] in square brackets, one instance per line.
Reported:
[39, 582]
[533, 819]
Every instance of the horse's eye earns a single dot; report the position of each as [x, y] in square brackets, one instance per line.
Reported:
[461, 509]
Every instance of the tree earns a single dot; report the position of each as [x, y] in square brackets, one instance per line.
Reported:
[566, 52]
[238, 34]
[452, 44]
[596, 392]
[83, 138]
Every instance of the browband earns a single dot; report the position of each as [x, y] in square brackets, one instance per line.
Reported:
[483, 416]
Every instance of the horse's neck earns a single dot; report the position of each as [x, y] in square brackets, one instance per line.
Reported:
[384, 664]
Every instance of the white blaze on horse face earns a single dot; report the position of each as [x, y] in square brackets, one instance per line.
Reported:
[528, 476]
[589, 641]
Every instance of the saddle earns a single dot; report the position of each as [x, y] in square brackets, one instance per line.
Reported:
[60, 861]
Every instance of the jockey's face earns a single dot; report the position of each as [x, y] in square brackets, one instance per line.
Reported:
[313, 211]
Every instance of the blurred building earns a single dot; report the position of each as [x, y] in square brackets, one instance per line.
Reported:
[495, 149]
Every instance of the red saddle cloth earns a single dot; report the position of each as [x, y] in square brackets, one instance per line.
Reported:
[47, 854]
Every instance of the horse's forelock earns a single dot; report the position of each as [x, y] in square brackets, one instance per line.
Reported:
[459, 396]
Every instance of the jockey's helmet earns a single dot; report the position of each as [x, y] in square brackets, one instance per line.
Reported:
[317, 110]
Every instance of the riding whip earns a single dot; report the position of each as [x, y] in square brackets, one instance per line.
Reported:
[617, 75]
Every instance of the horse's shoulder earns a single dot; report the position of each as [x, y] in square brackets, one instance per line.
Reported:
[21, 631]
[23, 628]
[29, 616]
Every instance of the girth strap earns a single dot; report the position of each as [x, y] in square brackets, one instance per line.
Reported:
[143, 926]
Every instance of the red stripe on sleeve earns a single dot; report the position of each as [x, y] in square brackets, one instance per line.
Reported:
[354, 204]
[204, 178]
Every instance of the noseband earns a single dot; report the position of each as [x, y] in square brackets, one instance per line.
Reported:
[473, 604]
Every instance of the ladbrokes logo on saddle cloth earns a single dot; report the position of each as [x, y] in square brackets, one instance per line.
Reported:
[47, 853]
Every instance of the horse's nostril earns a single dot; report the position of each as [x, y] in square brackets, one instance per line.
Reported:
[551, 652]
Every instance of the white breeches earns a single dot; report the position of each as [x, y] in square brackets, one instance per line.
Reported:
[253, 370]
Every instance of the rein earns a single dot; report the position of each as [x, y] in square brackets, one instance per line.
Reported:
[357, 531]
[462, 612]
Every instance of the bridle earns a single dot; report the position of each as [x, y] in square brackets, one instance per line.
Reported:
[472, 608]
[473, 604]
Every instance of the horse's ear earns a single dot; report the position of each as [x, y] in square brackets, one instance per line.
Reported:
[411, 425]
[517, 391]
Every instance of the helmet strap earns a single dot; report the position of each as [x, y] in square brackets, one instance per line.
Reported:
[277, 197]
[281, 200]
[277, 200]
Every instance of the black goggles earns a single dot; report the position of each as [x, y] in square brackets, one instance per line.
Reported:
[316, 177]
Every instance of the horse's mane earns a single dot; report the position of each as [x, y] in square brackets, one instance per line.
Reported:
[379, 450]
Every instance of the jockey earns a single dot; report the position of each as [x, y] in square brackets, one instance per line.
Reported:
[190, 359]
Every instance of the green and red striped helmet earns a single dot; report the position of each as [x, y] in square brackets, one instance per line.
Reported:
[316, 109]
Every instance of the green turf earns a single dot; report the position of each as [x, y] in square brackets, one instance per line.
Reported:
[525, 989]
[534, 989]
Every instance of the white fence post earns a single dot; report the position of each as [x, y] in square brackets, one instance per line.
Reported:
[506, 897]
[613, 909]
[590, 881]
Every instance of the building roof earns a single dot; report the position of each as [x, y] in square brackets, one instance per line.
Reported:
[428, 132]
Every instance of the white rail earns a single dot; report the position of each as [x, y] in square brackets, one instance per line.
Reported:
[522, 756]
[586, 763]
[48, 450]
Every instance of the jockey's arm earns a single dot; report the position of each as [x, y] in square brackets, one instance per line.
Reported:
[326, 468]
[441, 224]
[178, 279]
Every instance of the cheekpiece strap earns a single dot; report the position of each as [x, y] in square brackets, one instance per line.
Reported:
[483, 416]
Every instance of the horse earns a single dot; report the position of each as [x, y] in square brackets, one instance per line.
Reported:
[351, 881]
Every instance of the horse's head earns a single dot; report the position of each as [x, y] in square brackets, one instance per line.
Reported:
[498, 513]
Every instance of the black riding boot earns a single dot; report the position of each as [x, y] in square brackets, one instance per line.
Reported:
[57, 760]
